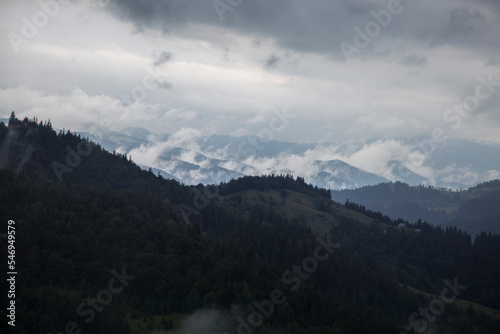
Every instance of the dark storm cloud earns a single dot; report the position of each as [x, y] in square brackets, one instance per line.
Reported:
[320, 26]
[162, 15]
[313, 26]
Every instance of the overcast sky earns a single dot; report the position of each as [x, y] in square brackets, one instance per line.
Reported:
[341, 70]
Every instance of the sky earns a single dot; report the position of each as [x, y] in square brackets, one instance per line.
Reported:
[292, 70]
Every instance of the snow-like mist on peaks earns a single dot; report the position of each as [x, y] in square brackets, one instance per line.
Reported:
[193, 158]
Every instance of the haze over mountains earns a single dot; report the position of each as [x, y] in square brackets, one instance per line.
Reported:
[193, 158]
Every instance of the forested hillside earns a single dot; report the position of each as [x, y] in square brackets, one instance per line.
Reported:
[474, 210]
[106, 247]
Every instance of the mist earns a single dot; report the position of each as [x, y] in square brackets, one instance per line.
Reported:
[194, 158]
[204, 322]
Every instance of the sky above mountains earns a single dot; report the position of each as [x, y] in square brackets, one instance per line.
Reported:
[301, 71]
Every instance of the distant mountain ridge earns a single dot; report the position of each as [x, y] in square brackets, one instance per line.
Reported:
[474, 210]
[221, 158]
[192, 158]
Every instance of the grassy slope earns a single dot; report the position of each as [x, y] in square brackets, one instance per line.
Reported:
[303, 208]
[463, 304]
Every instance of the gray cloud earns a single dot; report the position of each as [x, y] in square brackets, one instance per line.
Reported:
[464, 24]
[257, 42]
[162, 58]
[272, 62]
[495, 62]
[465, 21]
[413, 60]
[164, 85]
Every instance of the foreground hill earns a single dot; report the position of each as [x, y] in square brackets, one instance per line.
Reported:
[115, 249]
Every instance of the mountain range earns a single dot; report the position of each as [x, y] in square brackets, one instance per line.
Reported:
[192, 158]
